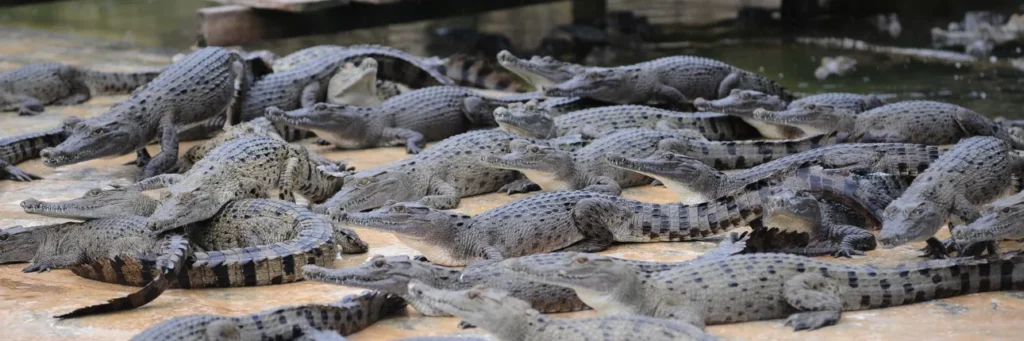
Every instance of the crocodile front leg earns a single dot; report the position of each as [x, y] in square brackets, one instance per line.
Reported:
[443, 195]
[603, 184]
[519, 186]
[818, 298]
[310, 94]
[24, 105]
[413, 140]
[168, 157]
[57, 261]
[142, 158]
[594, 218]
[10, 172]
[852, 240]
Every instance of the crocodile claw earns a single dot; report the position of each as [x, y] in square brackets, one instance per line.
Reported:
[13, 173]
[465, 325]
[847, 253]
[812, 320]
[36, 268]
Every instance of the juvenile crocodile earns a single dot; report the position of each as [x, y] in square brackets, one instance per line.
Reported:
[998, 220]
[694, 181]
[242, 168]
[533, 120]
[306, 82]
[739, 288]
[438, 177]
[393, 274]
[923, 122]
[586, 168]
[725, 155]
[742, 103]
[27, 89]
[20, 148]
[824, 227]
[358, 85]
[412, 118]
[352, 314]
[197, 88]
[975, 171]
[260, 127]
[670, 80]
[509, 318]
[539, 71]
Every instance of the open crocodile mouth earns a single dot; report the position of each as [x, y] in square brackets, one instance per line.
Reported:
[369, 222]
[58, 158]
[496, 161]
[32, 205]
[354, 277]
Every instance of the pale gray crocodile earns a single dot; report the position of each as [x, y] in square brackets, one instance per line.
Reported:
[197, 88]
[393, 274]
[800, 223]
[20, 148]
[725, 155]
[539, 71]
[740, 288]
[511, 319]
[534, 120]
[742, 103]
[352, 314]
[998, 220]
[924, 122]
[438, 177]
[695, 182]
[27, 89]
[977, 170]
[242, 168]
[586, 168]
[412, 118]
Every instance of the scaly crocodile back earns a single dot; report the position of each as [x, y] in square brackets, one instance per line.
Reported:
[725, 155]
[112, 83]
[713, 126]
[393, 64]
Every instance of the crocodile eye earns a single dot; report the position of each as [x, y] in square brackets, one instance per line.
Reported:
[98, 131]
[548, 59]
[1006, 210]
[581, 260]
[745, 95]
[533, 149]
[4, 236]
[398, 208]
[186, 196]
[379, 263]
[668, 156]
[472, 294]
[594, 76]
[320, 107]
[93, 192]
[364, 181]
[811, 107]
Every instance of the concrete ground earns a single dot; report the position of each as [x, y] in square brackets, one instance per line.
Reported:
[27, 301]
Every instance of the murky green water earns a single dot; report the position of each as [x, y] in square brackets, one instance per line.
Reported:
[172, 24]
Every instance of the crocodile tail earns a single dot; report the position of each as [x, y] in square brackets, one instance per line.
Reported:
[678, 222]
[725, 155]
[399, 66]
[173, 251]
[370, 307]
[116, 83]
[478, 73]
[20, 148]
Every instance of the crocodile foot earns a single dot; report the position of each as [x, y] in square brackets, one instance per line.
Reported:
[519, 186]
[938, 249]
[812, 320]
[465, 325]
[847, 253]
[13, 173]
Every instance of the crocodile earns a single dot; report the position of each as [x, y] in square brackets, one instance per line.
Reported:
[810, 292]
[20, 148]
[725, 155]
[924, 122]
[998, 221]
[358, 85]
[349, 315]
[694, 181]
[29, 88]
[530, 119]
[742, 103]
[479, 73]
[306, 82]
[97, 204]
[259, 127]
[830, 227]
[539, 71]
[670, 80]
[393, 274]
[438, 177]
[509, 318]
[242, 168]
[412, 118]
[197, 88]
[586, 168]
[838, 65]
[977, 170]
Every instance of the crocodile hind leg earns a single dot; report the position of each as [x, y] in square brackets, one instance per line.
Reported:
[519, 186]
[603, 184]
[594, 218]
[852, 240]
[413, 140]
[287, 180]
[443, 196]
[10, 172]
[818, 299]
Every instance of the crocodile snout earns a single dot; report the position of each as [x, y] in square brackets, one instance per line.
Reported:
[701, 103]
[31, 204]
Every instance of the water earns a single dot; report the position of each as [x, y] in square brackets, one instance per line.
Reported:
[994, 92]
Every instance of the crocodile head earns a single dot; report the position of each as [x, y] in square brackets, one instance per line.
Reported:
[387, 274]
[407, 219]
[372, 188]
[95, 204]
[325, 119]
[609, 85]
[19, 244]
[598, 280]
[539, 71]
[97, 137]
[999, 219]
[494, 310]
[791, 211]
[692, 180]
[355, 85]
[905, 221]
[526, 119]
[195, 199]
[551, 168]
[812, 118]
[741, 102]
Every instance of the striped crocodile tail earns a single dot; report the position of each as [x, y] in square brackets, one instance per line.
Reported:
[117, 83]
[478, 73]
[174, 249]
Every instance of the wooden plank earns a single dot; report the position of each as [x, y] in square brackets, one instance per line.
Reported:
[287, 5]
[234, 24]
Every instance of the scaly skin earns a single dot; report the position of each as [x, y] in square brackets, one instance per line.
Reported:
[1000, 219]
[480, 73]
[742, 103]
[437, 177]
[530, 119]
[20, 148]
[412, 118]
[694, 181]
[27, 89]
[539, 71]
[975, 171]
[352, 314]
[509, 318]
[393, 274]
[356, 85]
[669, 80]
[725, 155]
[830, 227]
[768, 286]
[243, 168]
[259, 127]
[197, 88]
[586, 168]
[306, 82]
[923, 122]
